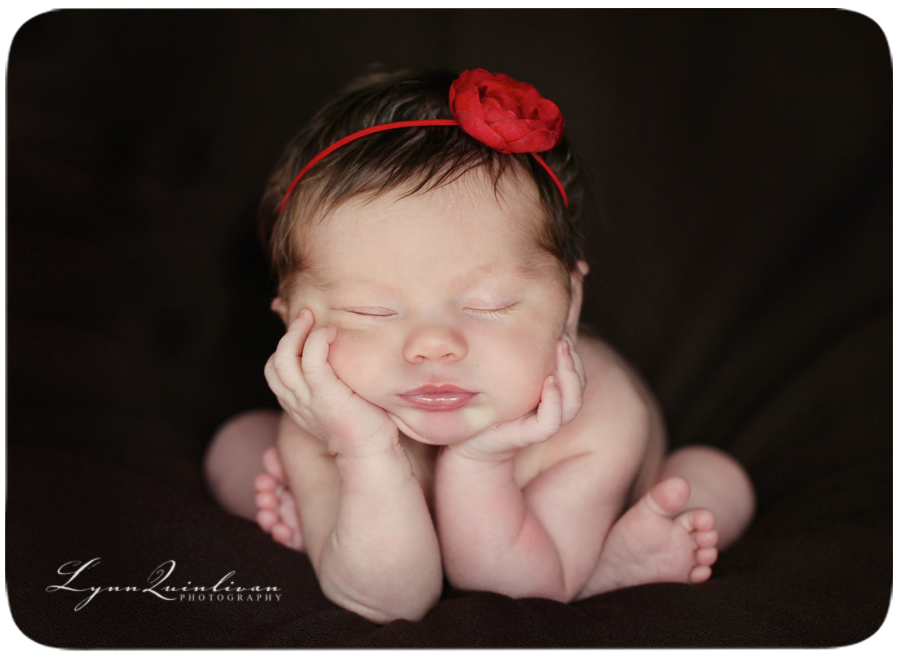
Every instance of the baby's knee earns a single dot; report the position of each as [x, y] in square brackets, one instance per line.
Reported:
[715, 478]
[703, 457]
[245, 436]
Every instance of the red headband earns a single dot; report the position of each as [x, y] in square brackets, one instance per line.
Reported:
[507, 115]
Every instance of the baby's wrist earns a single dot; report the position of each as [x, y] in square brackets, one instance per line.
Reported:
[358, 438]
[466, 453]
[375, 470]
[380, 445]
[458, 474]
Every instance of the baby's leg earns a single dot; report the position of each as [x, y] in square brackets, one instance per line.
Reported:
[246, 477]
[671, 534]
[234, 459]
[718, 483]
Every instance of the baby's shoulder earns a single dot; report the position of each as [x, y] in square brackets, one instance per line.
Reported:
[615, 391]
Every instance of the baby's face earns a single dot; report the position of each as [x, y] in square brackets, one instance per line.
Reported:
[447, 312]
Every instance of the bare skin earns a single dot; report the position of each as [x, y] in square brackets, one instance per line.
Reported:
[661, 537]
[549, 479]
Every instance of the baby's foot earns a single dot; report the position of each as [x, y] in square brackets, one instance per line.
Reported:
[653, 542]
[277, 512]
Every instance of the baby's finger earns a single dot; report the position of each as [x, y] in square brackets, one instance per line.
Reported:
[548, 419]
[405, 428]
[320, 377]
[274, 379]
[576, 359]
[570, 384]
[286, 357]
[503, 440]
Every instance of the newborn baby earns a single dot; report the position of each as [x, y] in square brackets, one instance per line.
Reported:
[443, 413]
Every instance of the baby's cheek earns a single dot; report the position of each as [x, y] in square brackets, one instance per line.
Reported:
[531, 364]
[352, 356]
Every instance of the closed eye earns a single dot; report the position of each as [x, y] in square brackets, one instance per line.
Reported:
[492, 313]
[371, 312]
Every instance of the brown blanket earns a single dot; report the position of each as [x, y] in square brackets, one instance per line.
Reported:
[740, 242]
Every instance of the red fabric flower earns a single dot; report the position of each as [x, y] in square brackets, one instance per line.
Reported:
[507, 115]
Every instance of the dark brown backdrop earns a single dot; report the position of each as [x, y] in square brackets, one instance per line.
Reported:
[740, 242]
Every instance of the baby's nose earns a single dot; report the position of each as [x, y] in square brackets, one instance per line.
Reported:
[436, 344]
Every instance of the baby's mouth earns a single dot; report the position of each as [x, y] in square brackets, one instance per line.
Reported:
[437, 398]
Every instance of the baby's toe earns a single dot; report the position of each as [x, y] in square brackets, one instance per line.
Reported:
[706, 539]
[266, 519]
[266, 500]
[704, 520]
[697, 520]
[706, 556]
[265, 481]
[700, 574]
[668, 497]
[272, 463]
[283, 534]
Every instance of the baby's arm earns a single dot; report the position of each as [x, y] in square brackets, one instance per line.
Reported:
[366, 525]
[540, 541]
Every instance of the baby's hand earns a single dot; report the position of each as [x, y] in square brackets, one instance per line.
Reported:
[562, 395]
[317, 400]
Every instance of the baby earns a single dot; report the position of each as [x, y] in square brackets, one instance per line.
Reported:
[443, 413]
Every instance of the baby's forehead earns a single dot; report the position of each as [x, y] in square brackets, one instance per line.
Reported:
[512, 190]
[469, 227]
[471, 189]
[336, 277]
[473, 194]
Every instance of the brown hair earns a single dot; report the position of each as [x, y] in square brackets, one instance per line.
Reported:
[420, 158]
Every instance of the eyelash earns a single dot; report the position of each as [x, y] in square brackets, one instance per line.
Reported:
[493, 313]
[381, 312]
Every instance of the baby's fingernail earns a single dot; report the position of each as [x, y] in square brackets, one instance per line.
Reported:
[566, 346]
[552, 381]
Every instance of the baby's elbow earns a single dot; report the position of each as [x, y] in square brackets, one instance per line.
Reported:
[388, 614]
[408, 605]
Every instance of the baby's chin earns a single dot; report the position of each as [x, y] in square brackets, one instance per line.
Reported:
[446, 427]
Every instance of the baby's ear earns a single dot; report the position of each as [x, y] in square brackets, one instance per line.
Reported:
[576, 282]
[280, 306]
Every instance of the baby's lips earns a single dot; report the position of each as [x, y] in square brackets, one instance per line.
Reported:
[438, 398]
